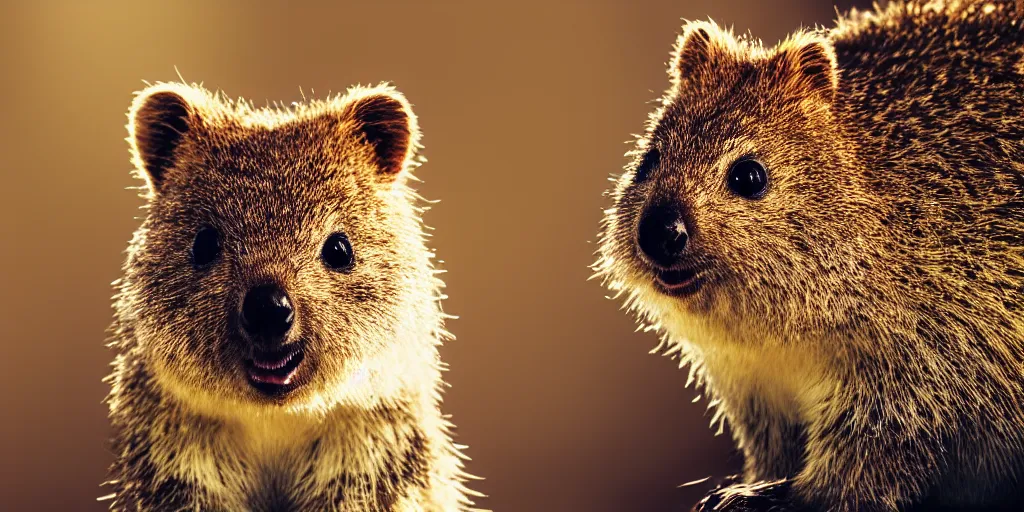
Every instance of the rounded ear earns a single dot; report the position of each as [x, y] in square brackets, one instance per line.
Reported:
[810, 63]
[159, 118]
[384, 119]
[701, 46]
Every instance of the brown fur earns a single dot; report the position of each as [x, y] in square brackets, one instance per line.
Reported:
[362, 429]
[861, 325]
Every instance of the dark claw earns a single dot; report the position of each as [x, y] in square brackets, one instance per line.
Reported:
[759, 496]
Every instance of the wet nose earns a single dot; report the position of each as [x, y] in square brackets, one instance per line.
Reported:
[267, 313]
[662, 234]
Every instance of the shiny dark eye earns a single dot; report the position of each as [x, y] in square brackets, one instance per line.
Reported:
[748, 178]
[647, 165]
[337, 253]
[205, 247]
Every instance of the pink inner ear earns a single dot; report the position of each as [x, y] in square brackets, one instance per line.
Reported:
[385, 124]
[159, 125]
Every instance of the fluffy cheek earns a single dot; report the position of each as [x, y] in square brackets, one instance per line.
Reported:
[330, 348]
[765, 279]
[348, 319]
[185, 334]
[619, 264]
[618, 237]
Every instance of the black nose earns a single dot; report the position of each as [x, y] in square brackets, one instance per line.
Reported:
[662, 234]
[267, 312]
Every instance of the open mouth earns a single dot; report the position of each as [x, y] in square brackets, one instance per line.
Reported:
[274, 372]
[680, 283]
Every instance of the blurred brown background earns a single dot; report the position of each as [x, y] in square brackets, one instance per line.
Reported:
[525, 106]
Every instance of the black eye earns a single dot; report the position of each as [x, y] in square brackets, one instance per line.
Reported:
[748, 178]
[205, 247]
[337, 252]
[647, 165]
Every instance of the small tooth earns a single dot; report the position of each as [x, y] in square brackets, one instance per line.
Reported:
[274, 365]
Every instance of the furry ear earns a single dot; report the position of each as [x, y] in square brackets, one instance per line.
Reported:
[810, 62]
[385, 120]
[159, 118]
[701, 46]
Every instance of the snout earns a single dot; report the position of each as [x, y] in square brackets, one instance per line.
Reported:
[662, 234]
[266, 318]
[267, 314]
[664, 239]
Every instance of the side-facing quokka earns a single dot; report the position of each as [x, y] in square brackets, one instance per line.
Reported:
[830, 233]
[277, 324]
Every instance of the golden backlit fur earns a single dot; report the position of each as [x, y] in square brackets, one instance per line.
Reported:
[362, 430]
[860, 326]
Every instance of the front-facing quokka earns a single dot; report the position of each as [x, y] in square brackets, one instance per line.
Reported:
[278, 321]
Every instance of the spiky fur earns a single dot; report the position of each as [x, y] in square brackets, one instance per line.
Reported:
[364, 431]
[861, 326]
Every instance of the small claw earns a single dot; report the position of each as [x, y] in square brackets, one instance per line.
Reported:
[761, 496]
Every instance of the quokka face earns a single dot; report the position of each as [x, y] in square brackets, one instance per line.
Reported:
[281, 253]
[743, 198]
